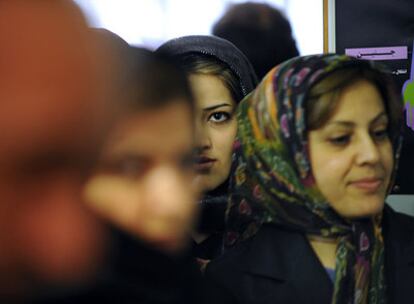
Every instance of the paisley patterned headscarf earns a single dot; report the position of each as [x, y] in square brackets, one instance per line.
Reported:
[273, 182]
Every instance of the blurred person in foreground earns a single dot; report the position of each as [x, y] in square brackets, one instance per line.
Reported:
[260, 31]
[56, 88]
[141, 186]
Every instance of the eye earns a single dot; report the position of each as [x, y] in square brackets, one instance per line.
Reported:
[341, 140]
[219, 117]
[380, 134]
[129, 167]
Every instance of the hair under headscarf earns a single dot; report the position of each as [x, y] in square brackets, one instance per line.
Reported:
[273, 182]
[219, 49]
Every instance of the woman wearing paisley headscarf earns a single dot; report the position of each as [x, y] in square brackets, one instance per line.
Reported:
[317, 147]
[220, 76]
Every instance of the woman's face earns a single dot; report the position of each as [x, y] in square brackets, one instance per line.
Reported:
[352, 155]
[216, 128]
[142, 181]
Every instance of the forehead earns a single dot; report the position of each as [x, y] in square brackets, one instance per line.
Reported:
[155, 133]
[209, 89]
[360, 101]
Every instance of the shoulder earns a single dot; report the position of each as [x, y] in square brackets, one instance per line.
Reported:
[230, 262]
[264, 269]
[398, 231]
[222, 276]
[236, 258]
[393, 220]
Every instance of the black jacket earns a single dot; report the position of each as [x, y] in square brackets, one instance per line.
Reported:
[279, 266]
[136, 273]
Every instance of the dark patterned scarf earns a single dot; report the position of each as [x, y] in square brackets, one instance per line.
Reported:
[273, 182]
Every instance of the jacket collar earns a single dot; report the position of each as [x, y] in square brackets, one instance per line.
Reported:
[286, 261]
[281, 254]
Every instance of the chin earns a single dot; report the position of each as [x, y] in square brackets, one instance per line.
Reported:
[369, 209]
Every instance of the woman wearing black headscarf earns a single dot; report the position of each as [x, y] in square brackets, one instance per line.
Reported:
[220, 76]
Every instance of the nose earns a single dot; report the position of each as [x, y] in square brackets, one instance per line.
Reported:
[367, 151]
[202, 138]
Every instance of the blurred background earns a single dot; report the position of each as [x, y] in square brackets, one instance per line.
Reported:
[150, 22]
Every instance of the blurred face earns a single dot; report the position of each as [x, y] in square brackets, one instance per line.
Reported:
[216, 128]
[143, 178]
[50, 236]
[51, 116]
[351, 155]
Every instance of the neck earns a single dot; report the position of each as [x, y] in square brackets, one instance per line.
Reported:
[325, 249]
[219, 190]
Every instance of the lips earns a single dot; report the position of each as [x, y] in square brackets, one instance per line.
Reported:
[371, 184]
[203, 163]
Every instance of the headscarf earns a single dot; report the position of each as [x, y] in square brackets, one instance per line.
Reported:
[213, 204]
[219, 49]
[273, 182]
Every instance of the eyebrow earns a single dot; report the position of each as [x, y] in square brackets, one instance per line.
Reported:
[350, 124]
[217, 106]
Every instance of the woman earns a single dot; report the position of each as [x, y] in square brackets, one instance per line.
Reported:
[317, 148]
[140, 189]
[220, 76]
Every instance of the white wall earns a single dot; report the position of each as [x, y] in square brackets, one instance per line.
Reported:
[402, 203]
[151, 22]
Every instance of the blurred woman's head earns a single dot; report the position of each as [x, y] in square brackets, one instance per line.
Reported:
[141, 182]
[220, 76]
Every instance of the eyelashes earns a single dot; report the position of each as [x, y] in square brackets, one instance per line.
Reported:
[381, 134]
[219, 117]
[343, 140]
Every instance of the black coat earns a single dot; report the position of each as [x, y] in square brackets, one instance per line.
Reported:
[136, 273]
[279, 266]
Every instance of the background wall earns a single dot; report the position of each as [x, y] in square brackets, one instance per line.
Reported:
[151, 22]
[383, 23]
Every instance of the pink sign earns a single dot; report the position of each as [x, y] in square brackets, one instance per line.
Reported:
[379, 53]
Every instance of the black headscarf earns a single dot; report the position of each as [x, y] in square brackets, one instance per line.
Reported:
[220, 49]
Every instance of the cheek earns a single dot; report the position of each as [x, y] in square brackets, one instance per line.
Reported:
[56, 235]
[113, 198]
[329, 172]
[388, 160]
[224, 139]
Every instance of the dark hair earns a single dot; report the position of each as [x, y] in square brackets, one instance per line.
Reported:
[261, 32]
[323, 97]
[157, 81]
[119, 52]
[196, 63]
